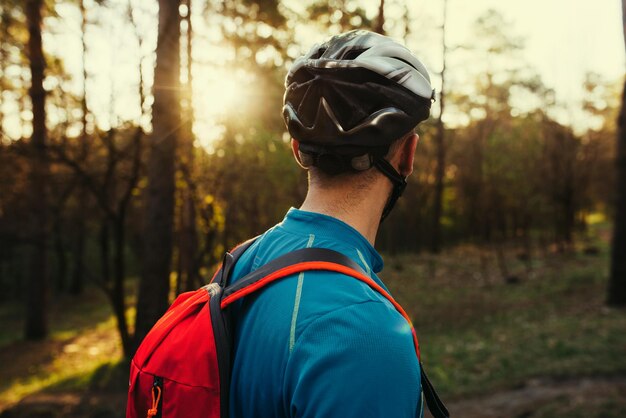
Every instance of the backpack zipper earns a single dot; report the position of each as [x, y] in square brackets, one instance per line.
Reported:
[157, 398]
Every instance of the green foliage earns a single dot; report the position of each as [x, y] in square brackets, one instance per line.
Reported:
[252, 197]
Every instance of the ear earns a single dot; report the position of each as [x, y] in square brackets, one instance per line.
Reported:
[407, 155]
[295, 148]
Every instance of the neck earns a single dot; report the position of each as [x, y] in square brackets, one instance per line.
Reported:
[361, 210]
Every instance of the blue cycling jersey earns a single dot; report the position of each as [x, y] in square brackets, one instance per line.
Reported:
[320, 344]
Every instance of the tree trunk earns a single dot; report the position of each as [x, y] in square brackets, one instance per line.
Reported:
[117, 292]
[77, 279]
[59, 249]
[154, 284]
[407, 23]
[36, 303]
[440, 145]
[617, 283]
[57, 211]
[189, 241]
[78, 275]
[4, 35]
[380, 21]
[105, 253]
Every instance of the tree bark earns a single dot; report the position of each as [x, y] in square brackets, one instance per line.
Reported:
[407, 22]
[117, 291]
[617, 283]
[61, 258]
[57, 212]
[380, 21]
[4, 35]
[166, 121]
[440, 146]
[189, 241]
[36, 303]
[78, 275]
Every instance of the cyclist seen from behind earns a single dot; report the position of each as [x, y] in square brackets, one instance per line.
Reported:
[320, 344]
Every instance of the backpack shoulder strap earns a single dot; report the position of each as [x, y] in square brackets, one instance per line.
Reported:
[435, 404]
[286, 265]
[228, 262]
[305, 259]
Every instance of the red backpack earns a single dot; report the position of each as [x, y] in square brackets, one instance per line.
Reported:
[182, 367]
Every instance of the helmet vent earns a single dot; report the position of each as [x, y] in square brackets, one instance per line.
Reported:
[353, 53]
[406, 62]
[318, 54]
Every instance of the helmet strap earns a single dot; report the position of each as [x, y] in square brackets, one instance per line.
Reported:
[398, 181]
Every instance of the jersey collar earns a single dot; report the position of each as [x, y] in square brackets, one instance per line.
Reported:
[331, 228]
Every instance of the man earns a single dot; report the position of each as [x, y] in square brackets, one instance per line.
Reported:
[320, 344]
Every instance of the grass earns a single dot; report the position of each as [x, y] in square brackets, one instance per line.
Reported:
[478, 333]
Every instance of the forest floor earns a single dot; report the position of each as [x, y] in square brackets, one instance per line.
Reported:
[537, 343]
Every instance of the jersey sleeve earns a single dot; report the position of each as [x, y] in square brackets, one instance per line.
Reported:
[357, 361]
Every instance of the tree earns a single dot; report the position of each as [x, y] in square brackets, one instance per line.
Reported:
[108, 165]
[380, 21]
[154, 284]
[440, 143]
[337, 16]
[187, 277]
[78, 274]
[617, 283]
[4, 35]
[36, 304]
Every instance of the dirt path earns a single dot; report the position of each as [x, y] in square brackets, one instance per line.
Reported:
[69, 405]
[525, 401]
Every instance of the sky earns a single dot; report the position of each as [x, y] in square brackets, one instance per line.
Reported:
[564, 39]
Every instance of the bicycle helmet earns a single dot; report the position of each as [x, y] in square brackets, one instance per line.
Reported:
[348, 99]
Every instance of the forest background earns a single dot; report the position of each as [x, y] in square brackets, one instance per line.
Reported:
[142, 139]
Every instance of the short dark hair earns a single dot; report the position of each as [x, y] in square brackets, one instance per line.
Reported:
[360, 178]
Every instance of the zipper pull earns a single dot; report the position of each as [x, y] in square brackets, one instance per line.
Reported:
[156, 396]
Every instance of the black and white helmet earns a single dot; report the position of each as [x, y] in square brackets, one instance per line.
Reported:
[349, 98]
[359, 90]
